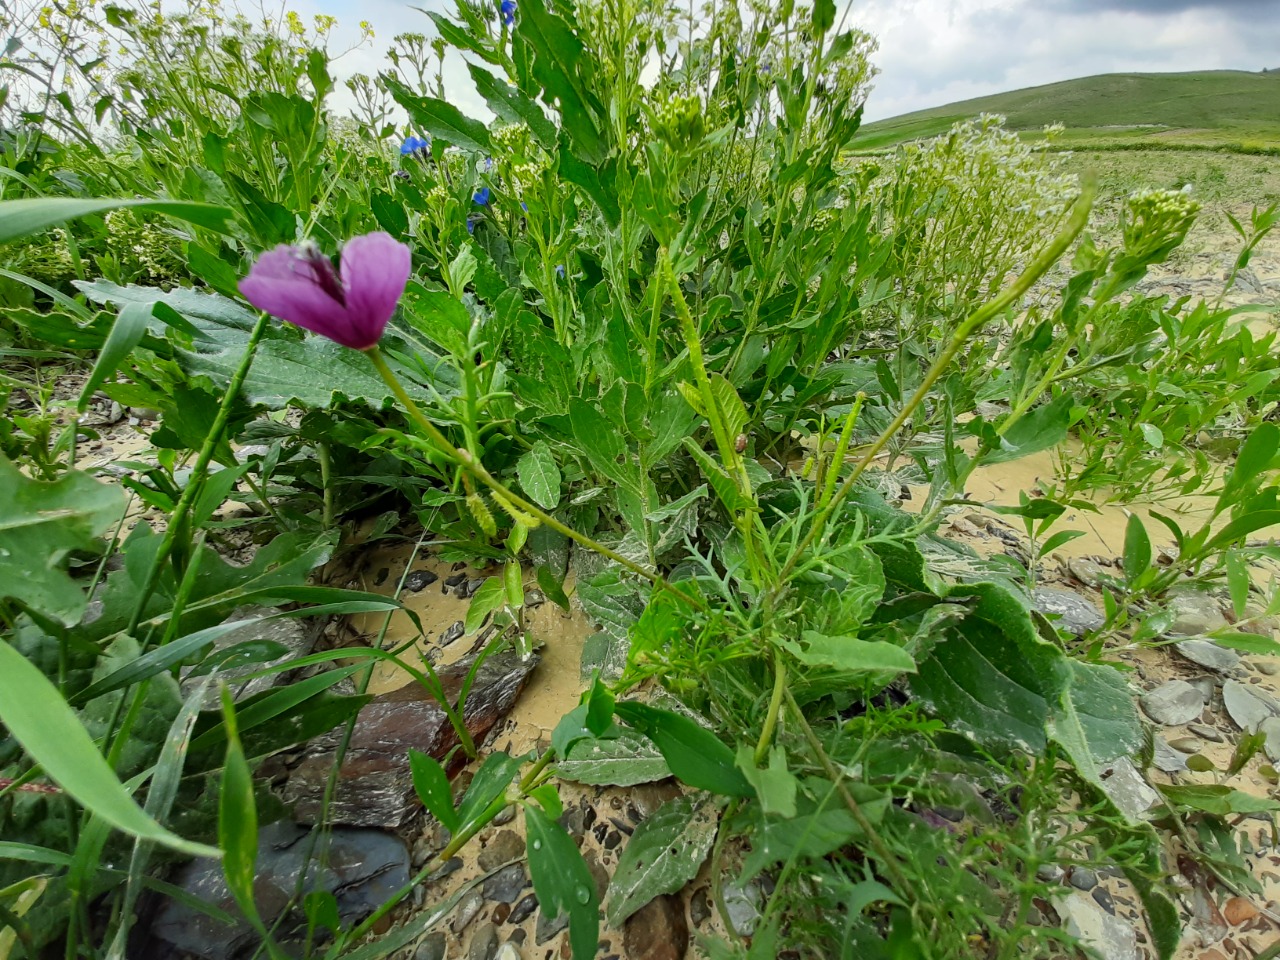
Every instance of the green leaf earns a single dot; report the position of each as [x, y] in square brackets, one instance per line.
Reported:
[1044, 427]
[1218, 800]
[1256, 455]
[442, 120]
[851, 655]
[550, 585]
[694, 754]
[728, 492]
[559, 63]
[602, 443]
[623, 761]
[432, 786]
[126, 333]
[1242, 527]
[540, 475]
[1137, 549]
[1246, 642]
[1238, 582]
[665, 853]
[1152, 434]
[489, 783]
[39, 719]
[40, 524]
[730, 404]
[775, 784]
[824, 15]
[19, 218]
[815, 831]
[513, 106]
[238, 819]
[562, 881]
[489, 597]
[1096, 721]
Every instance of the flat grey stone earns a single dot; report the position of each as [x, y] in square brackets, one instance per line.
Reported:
[743, 906]
[1207, 732]
[1270, 729]
[1082, 878]
[1209, 655]
[1185, 744]
[1167, 759]
[432, 948]
[1245, 706]
[1194, 614]
[253, 641]
[1127, 789]
[1073, 612]
[1173, 703]
[484, 943]
[507, 884]
[1113, 938]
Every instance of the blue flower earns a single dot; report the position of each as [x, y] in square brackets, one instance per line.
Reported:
[524, 206]
[560, 270]
[472, 220]
[481, 197]
[508, 10]
[415, 145]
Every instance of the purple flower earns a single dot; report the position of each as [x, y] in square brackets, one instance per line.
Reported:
[350, 306]
[415, 145]
[508, 10]
[481, 198]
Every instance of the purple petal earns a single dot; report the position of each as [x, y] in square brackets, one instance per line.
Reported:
[374, 269]
[283, 284]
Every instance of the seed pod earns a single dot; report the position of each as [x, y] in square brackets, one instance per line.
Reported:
[740, 444]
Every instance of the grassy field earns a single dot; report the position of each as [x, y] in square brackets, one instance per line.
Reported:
[1218, 109]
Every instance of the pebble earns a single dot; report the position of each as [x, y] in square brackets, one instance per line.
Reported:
[467, 911]
[1194, 614]
[1168, 760]
[419, 580]
[1173, 703]
[503, 847]
[432, 948]
[657, 931]
[1209, 655]
[1269, 667]
[452, 634]
[1103, 899]
[1074, 613]
[509, 951]
[1083, 878]
[1238, 910]
[452, 865]
[700, 906]
[507, 884]
[484, 942]
[506, 815]
[545, 930]
[1270, 730]
[523, 910]
[1185, 744]
[1049, 873]
[1111, 937]
[1207, 732]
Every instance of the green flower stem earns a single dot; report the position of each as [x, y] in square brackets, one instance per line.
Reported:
[775, 706]
[992, 308]
[477, 470]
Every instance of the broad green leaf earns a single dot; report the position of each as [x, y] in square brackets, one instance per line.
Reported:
[1242, 527]
[1257, 454]
[1096, 721]
[126, 333]
[730, 404]
[624, 761]
[562, 881]
[1238, 582]
[694, 754]
[559, 63]
[1137, 549]
[726, 489]
[1044, 427]
[489, 597]
[851, 655]
[663, 855]
[1161, 913]
[775, 784]
[552, 587]
[489, 783]
[39, 719]
[1216, 799]
[1246, 642]
[540, 475]
[815, 831]
[1152, 434]
[603, 443]
[442, 120]
[432, 786]
[513, 106]
[40, 524]
[20, 218]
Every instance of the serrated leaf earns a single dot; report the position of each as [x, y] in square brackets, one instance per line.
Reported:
[442, 120]
[663, 855]
[623, 761]
[540, 475]
[40, 525]
[730, 404]
[513, 106]
[559, 59]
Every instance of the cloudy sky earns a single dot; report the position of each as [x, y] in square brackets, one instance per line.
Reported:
[936, 51]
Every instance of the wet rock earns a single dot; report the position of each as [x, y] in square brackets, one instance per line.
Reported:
[1087, 572]
[456, 630]
[1238, 910]
[1167, 759]
[375, 786]
[1248, 708]
[471, 586]
[1209, 655]
[503, 847]
[1205, 685]
[419, 580]
[657, 931]
[545, 929]
[292, 635]
[505, 815]
[1127, 789]
[1173, 703]
[361, 868]
[1084, 919]
[1103, 899]
[452, 865]
[484, 943]
[523, 910]
[467, 911]
[507, 884]
[1074, 613]
[1194, 613]
[1270, 730]
[432, 948]
[1082, 878]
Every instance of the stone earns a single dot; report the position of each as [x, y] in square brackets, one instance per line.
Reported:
[1269, 668]
[1194, 613]
[1270, 730]
[291, 633]
[1049, 873]
[484, 942]
[1111, 937]
[1185, 744]
[523, 910]
[700, 906]
[648, 797]
[1103, 899]
[503, 847]
[1082, 878]
[467, 911]
[361, 868]
[1209, 655]
[375, 784]
[743, 906]
[1246, 707]
[505, 815]
[1167, 759]
[1206, 686]
[1207, 732]
[507, 884]
[1088, 572]
[1173, 703]
[546, 929]
[1238, 910]
[509, 951]
[657, 931]
[1073, 612]
[1127, 788]
[432, 948]
[419, 580]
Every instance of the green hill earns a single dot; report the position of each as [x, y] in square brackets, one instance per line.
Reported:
[1214, 109]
